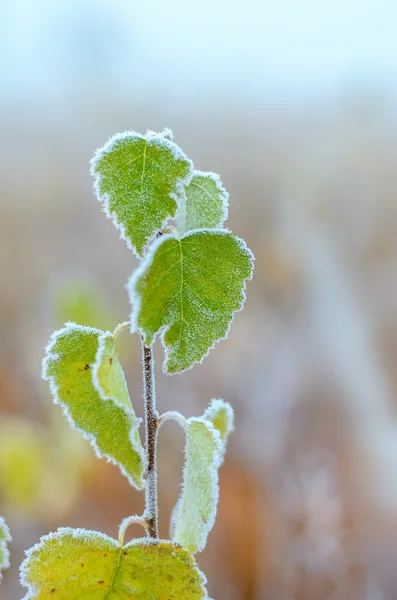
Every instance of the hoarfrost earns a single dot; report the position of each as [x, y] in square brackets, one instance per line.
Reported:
[142, 188]
[5, 538]
[194, 514]
[126, 414]
[199, 302]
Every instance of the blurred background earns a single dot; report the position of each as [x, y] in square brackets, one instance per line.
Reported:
[295, 104]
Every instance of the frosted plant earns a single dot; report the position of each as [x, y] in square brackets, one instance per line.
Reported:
[4, 552]
[189, 285]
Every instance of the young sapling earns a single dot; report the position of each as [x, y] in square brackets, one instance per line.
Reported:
[190, 283]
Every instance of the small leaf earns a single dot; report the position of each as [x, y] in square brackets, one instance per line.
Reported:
[140, 180]
[5, 537]
[108, 375]
[190, 288]
[205, 205]
[107, 421]
[221, 415]
[74, 564]
[195, 511]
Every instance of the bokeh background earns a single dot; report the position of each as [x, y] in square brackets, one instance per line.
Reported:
[295, 104]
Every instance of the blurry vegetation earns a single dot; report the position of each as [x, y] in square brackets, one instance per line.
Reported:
[309, 366]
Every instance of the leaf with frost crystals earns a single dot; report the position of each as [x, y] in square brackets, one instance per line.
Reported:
[108, 375]
[5, 537]
[194, 514]
[75, 564]
[140, 180]
[205, 205]
[190, 288]
[74, 366]
[221, 415]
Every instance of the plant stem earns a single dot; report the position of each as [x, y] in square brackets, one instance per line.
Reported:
[151, 417]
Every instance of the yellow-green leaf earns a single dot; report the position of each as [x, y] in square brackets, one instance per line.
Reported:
[194, 514]
[140, 180]
[205, 205]
[190, 288]
[5, 537]
[221, 415]
[74, 564]
[108, 375]
[107, 421]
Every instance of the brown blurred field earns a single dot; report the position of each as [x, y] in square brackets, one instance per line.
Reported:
[308, 507]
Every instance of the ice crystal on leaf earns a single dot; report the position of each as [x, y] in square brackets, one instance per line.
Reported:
[190, 288]
[221, 415]
[140, 179]
[5, 537]
[107, 419]
[194, 515]
[75, 564]
[205, 205]
[107, 373]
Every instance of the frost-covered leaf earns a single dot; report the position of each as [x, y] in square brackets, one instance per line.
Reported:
[5, 537]
[190, 288]
[194, 514]
[108, 375]
[108, 421]
[74, 564]
[221, 415]
[205, 205]
[140, 180]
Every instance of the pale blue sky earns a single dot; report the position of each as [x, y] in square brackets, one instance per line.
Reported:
[267, 48]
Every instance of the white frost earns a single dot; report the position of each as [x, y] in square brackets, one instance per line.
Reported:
[164, 139]
[51, 356]
[136, 300]
[195, 512]
[59, 535]
[4, 551]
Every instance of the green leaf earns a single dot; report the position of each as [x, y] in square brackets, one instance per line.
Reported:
[108, 375]
[74, 564]
[5, 537]
[206, 203]
[221, 415]
[106, 420]
[190, 288]
[140, 179]
[194, 514]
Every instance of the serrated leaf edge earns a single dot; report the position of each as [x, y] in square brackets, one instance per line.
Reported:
[135, 298]
[49, 355]
[224, 194]
[80, 533]
[4, 547]
[165, 138]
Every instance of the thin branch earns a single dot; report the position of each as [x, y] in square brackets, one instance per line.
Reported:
[151, 417]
